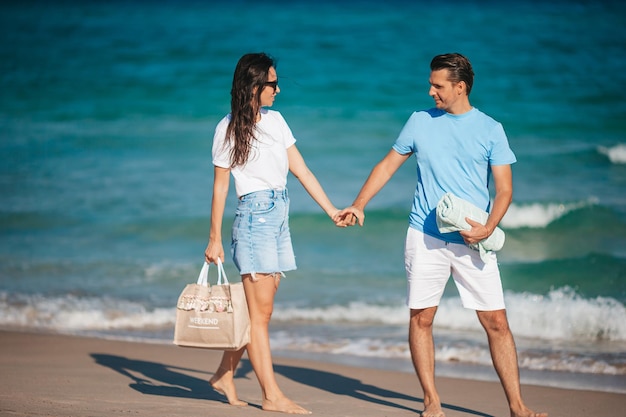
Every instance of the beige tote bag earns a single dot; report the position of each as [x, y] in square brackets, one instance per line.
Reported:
[212, 316]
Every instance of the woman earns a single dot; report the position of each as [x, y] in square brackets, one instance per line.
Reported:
[256, 146]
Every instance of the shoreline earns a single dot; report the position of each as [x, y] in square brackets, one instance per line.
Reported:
[470, 372]
[451, 369]
[62, 375]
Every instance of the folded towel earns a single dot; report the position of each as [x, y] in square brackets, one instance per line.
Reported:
[451, 213]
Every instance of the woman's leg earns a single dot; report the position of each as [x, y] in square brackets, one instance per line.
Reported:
[222, 380]
[260, 294]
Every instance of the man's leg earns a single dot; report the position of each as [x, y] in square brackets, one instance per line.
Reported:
[423, 354]
[504, 356]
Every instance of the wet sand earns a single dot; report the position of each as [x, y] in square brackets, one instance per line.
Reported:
[58, 375]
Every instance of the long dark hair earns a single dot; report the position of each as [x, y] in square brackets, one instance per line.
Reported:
[458, 66]
[248, 83]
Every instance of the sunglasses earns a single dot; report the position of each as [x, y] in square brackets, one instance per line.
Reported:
[272, 84]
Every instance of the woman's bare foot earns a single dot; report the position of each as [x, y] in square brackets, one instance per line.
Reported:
[284, 405]
[225, 386]
[527, 413]
[433, 410]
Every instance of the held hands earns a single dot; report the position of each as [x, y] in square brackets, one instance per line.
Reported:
[349, 217]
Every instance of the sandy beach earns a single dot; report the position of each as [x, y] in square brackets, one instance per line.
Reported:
[57, 375]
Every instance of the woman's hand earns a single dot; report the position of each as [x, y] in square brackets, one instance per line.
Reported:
[349, 217]
[214, 251]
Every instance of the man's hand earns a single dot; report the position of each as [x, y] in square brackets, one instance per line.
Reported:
[477, 233]
[349, 217]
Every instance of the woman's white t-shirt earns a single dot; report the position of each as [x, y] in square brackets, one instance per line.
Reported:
[267, 165]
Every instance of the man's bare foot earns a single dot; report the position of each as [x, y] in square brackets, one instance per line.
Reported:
[284, 405]
[527, 413]
[227, 389]
[433, 410]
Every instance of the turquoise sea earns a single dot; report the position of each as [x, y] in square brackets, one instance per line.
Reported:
[107, 111]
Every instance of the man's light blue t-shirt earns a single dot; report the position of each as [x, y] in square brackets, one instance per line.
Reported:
[454, 154]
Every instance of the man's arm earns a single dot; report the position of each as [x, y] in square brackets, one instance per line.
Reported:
[379, 176]
[503, 181]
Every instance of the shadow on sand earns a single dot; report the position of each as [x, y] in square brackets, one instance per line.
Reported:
[154, 378]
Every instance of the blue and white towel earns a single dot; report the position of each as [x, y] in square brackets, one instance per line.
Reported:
[451, 213]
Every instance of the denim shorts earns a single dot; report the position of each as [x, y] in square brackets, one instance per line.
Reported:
[261, 241]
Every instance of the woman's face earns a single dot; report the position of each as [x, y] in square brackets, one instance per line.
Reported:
[270, 89]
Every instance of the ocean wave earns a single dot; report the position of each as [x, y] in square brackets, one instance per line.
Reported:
[449, 351]
[616, 154]
[557, 332]
[538, 215]
[72, 313]
[561, 315]
[353, 312]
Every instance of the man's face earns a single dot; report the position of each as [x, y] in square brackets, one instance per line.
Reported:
[445, 93]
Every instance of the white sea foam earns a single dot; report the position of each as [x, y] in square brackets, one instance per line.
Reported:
[71, 313]
[451, 351]
[564, 315]
[354, 312]
[616, 154]
[538, 215]
[561, 315]
[553, 327]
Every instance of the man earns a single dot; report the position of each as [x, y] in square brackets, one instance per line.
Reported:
[457, 148]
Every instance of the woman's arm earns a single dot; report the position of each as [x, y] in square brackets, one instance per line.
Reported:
[298, 168]
[214, 249]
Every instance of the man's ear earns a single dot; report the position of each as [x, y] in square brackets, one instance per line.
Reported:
[461, 87]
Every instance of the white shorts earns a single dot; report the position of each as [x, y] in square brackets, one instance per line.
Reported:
[429, 262]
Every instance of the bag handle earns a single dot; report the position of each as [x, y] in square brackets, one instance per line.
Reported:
[221, 274]
[203, 278]
[204, 274]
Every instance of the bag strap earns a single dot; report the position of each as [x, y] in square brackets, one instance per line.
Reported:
[204, 275]
[203, 278]
[221, 274]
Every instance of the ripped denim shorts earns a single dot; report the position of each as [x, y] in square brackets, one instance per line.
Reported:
[261, 241]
